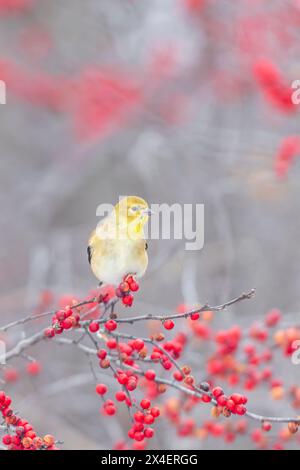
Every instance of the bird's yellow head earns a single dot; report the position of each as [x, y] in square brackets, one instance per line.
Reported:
[132, 212]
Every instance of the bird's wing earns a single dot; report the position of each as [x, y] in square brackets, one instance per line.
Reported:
[91, 244]
[89, 252]
[97, 247]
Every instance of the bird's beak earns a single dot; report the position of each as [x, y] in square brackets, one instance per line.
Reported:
[148, 211]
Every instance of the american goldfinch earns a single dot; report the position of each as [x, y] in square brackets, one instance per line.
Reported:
[117, 247]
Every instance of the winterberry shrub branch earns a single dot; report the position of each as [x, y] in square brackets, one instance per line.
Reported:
[146, 367]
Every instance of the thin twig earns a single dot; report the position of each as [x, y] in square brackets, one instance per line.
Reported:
[187, 314]
[33, 317]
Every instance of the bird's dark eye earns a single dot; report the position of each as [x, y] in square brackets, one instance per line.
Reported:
[134, 208]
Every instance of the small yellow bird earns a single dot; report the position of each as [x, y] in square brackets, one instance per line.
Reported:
[117, 247]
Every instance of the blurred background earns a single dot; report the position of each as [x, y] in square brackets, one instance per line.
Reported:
[183, 101]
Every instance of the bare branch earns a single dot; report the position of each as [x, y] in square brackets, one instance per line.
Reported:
[204, 308]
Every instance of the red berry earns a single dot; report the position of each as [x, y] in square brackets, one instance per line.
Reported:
[28, 427]
[266, 426]
[138, 344]
[11, 375]
[111, 343]
[119, 293]
[124, 287]
[230, 405]
[101, 389]
[16, 440]
[222, 400]
[58, 329]
[68, 312]
[127, 300]
[195, 316]
[256, 435]
[104, 363]
[49, 333]
[132, 384]
[131, 433]
[145, 403]
[278, 446]
[120, 396]
[60, 315]
[110, 410]
[149, 432]
[240, 410]
[169, 324]
[33, 368]
[150, 374]
[93, 327]
[178, 375]
[67, 324]
[122, 378]
[138, 427]
[156, 356]
[155, 412]
[139, 436]
[217, 392]
[249, 349]
[244, 400]
[167, 365]
[134, 286]
[139, 417]
[30, 434]
[139, 445]
[111, 325]
[273, 317]
[6, 439]
[149, 419]
[7, 401]
[206, 398]
[237, 398]
[109, 403]
[102, 353]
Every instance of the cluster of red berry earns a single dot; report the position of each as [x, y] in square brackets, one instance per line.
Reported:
[68, 318]
[228, 340]
[146, 414]
[124, 290]
[225, 362]
[12, 374]
[174, 410]
[234, 404]
[143, 418]
[22, 436]
[62, 320]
